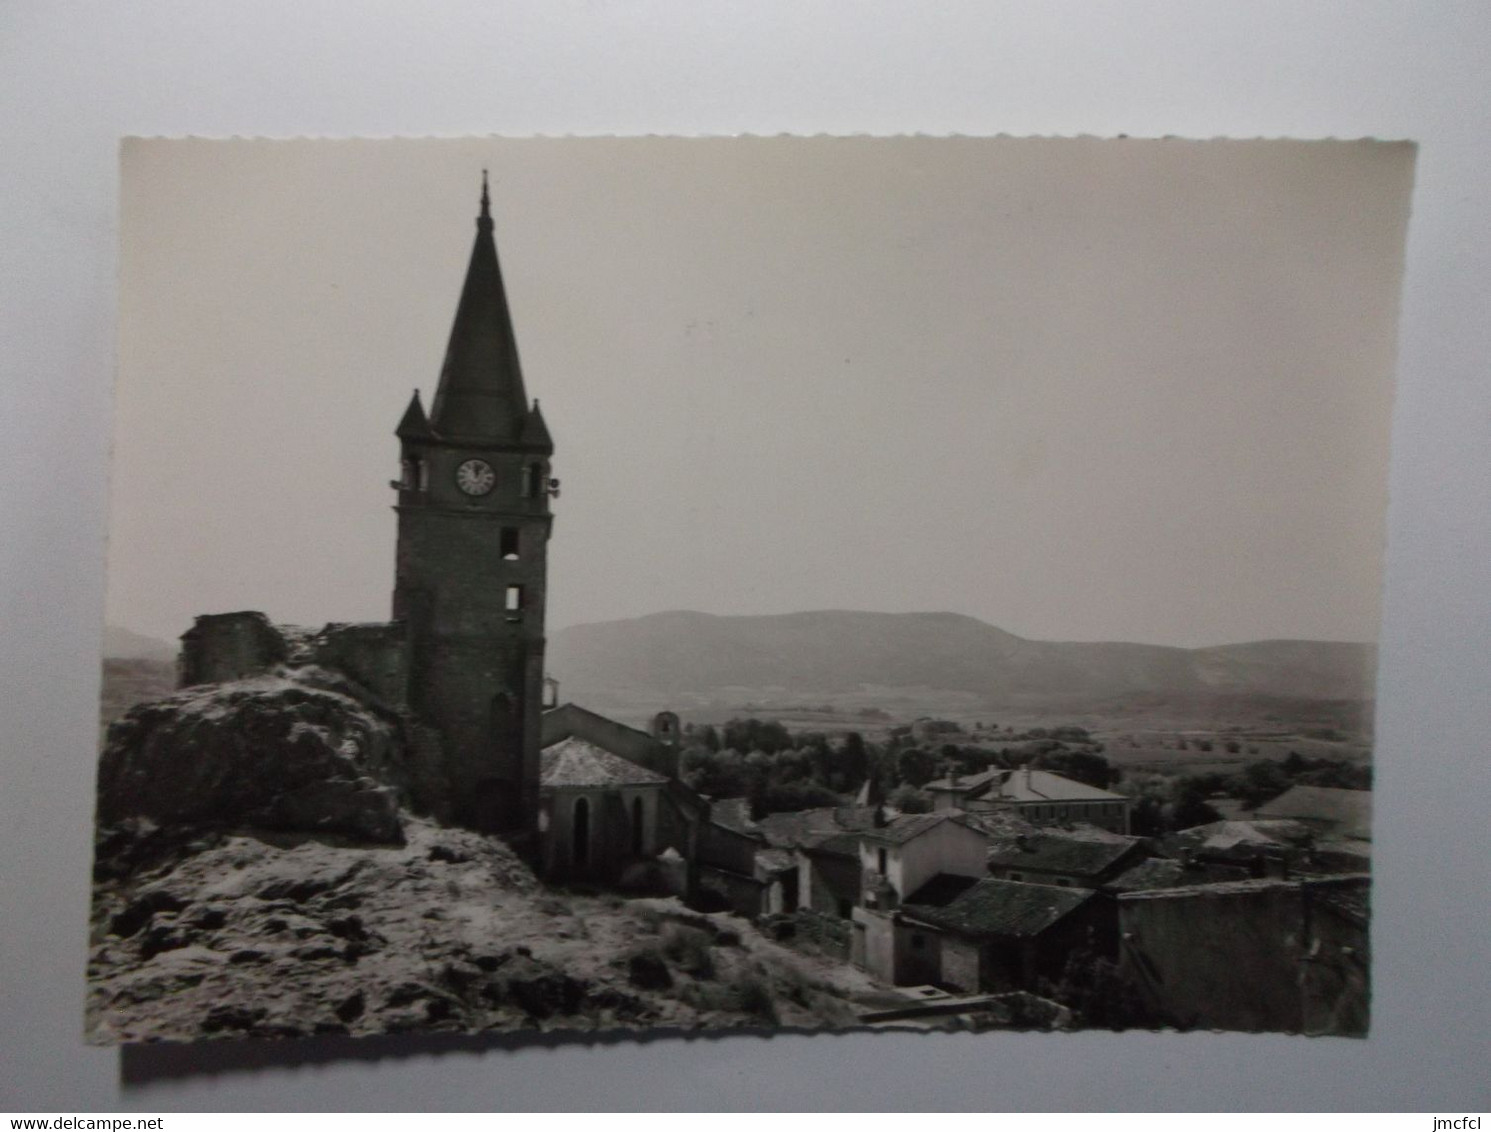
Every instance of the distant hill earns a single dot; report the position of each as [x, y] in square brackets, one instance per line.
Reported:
[122, 644]
[835, 651]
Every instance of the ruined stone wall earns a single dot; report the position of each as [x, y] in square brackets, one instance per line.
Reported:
[220, 647]
[374, 654]
[962, 965]
[743, 894]
[1235, 956]
[831, 882]
[874, 944]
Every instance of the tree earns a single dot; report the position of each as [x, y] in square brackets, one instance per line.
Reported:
[909, 800]
[916, 766]
[854, 758]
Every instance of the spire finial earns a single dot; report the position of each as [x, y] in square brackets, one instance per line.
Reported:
[486, 198]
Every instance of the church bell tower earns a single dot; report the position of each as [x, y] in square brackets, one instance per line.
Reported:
[474, 523]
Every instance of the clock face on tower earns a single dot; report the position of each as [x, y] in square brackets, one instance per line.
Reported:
[475, 477]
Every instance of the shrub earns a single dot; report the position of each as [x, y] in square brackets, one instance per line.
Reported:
[689, 950]
[752, 994]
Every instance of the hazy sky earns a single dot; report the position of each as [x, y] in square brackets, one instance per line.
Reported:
[1081, 389]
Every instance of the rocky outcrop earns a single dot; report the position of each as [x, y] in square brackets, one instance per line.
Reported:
[219, 934]
[298, 751]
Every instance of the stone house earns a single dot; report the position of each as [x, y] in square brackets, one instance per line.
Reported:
[727, 864]
[995, 935]
[1038, 796]
[830, 874]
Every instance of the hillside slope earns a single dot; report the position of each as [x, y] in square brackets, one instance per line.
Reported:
[837, 651]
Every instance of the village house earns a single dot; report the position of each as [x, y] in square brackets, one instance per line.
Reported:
[1038, 796]
[997, 935]
[1342, 815]
[912, 857]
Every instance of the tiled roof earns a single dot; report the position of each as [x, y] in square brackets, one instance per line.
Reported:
[998, 823]
[808, 827]
[910, 826]
[1240, 838]
[941, 890]
[836, 845]
[1166, 872]
[1025, 785]
[1348, 812]
[1060, 853]
[732, 813]
[575, 762]
[965, 781]
[771, 860]
[1003, 908]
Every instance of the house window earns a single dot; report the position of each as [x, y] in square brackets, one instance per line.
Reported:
[509, 543]
[880, 857]
[918, 941]
[846, 908]
[1016, 876]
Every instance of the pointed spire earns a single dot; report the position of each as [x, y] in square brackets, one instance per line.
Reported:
[414, 424]
[481, 396]
[535, 432]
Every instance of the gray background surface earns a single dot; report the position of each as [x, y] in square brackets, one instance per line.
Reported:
[73, 78]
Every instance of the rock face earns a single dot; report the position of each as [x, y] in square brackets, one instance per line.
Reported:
[286, 752]
[217, 934]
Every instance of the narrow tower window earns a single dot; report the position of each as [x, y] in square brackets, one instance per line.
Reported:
[514, 601]
[509, 545]
[582, 833]
[533, 480]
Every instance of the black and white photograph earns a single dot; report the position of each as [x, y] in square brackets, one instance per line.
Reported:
[659, 584]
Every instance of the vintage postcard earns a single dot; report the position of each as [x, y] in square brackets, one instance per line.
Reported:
[599, 584]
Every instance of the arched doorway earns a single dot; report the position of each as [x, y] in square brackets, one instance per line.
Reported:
[580, 833]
